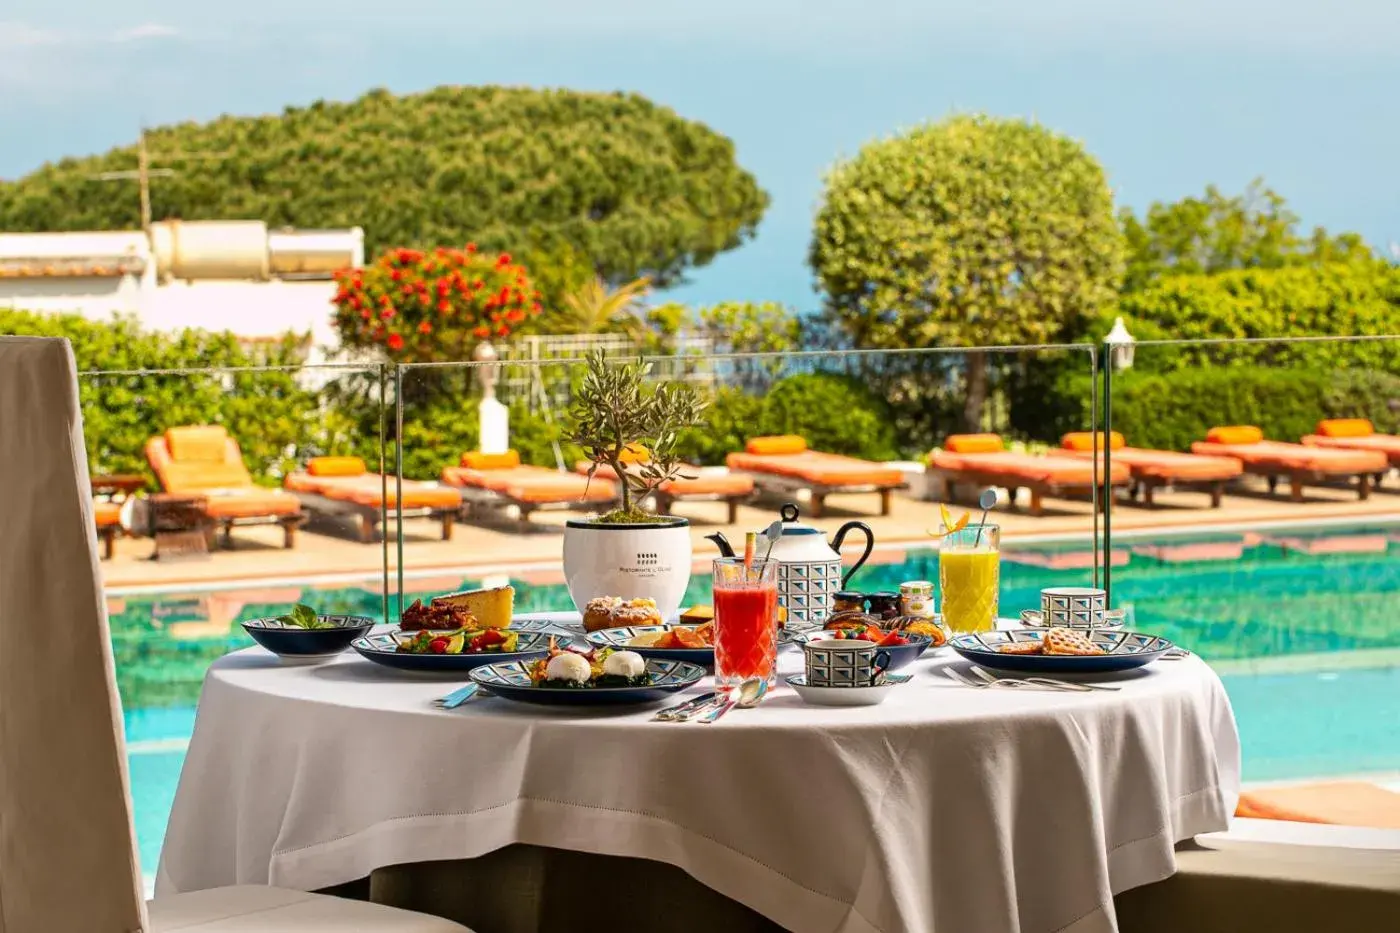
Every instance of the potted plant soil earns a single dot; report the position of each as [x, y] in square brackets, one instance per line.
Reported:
[629, 431]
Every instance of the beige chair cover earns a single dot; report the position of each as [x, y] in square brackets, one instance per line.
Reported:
[68, 861]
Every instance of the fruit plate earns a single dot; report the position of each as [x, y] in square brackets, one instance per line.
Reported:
[1123, 651]
[382, 648]
[510, 680]
[900, 655]
[619, 637]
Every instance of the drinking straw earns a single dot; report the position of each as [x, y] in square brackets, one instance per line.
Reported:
[750, 546]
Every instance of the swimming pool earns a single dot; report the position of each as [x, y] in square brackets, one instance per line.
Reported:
[1299, 622]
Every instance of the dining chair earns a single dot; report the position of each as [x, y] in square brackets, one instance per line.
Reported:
[68, 858]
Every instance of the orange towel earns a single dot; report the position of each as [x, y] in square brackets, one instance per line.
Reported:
[817, 468]
[532, 484]
[1289, 457]
[1169, 465]
[368, 490]
[1387, 444]
[1344, 803]
[1024, 469]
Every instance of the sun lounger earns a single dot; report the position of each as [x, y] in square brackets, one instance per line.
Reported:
[1343, 803]
[109, 526]
[1302, 465]
[1158, 469]
[1355, 434]
[784, 464]
[495, 480]
[983, 460]
[695, 486]
[204, 461]
[342, 486]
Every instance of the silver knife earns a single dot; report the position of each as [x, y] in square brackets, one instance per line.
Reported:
[672, 713]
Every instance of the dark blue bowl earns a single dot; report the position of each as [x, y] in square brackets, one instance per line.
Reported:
[292, 643]
[383, 649]
[511, 681]
[1123, 651]
[900, 655]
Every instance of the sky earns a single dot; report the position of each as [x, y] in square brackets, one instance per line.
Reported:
[1170, 95]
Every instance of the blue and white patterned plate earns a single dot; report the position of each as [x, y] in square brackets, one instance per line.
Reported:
[1123, 651]
[382, 648]
[511, 680]
[619, 637]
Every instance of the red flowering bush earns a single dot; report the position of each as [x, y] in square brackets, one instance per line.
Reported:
[433, 306]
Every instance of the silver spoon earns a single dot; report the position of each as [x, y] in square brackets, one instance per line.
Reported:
[748, 695]
[986, 501]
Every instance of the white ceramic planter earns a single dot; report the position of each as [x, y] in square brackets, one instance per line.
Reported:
[631, 561]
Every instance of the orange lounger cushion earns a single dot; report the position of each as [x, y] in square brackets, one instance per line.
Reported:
[819, 469]
[252, 502]
[1388, 444]
[1024, 469]
[703, 484]
[776, 445]
[1235, 434]
[336, 466]
[107, 514]
[1287, 458]
[1345, 427]
[1344, 803]
[974, 443]
[476, 460]
[1171, 466]
[1087, 442]
[532, 484]
[368, 490]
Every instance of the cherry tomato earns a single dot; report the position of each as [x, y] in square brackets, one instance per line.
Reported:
[438, 646]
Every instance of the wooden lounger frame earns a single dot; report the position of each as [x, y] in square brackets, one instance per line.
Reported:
[1147, 485]
[368, 517]
[1298, 478]
[1038, 490]
[665, 501]
[777, 483]
[289, 523]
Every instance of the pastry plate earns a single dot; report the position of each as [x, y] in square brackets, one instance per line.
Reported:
[1123, 651]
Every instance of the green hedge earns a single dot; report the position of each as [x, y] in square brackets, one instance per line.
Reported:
[1354, 299]
[835, 413]
[276, 421]
[1169, 410]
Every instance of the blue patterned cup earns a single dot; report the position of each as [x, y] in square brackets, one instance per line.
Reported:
[840, 662]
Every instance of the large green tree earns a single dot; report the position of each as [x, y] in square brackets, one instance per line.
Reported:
[971, 232]
[1216, 233]
[576, 184]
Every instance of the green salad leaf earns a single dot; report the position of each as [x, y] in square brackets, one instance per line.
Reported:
[303, 616]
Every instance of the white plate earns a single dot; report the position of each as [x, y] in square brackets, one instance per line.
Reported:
[845, 696]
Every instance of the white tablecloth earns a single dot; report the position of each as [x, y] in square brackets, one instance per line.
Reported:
[944, 809]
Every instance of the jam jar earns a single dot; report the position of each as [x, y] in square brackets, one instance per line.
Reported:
[916, 599]
[848, 601]
[884, 606]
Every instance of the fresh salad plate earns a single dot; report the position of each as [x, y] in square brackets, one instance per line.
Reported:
[904, 649]
[514, 680]
[660, 642]
[463, 651]
[1121, 651]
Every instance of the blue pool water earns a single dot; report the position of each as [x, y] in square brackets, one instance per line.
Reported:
[1300, 624]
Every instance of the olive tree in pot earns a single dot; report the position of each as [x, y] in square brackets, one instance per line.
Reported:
[629, 431]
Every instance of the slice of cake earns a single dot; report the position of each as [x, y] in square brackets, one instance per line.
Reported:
[697, 615]
[492, 608]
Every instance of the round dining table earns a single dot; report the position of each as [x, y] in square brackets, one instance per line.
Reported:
[947, 808]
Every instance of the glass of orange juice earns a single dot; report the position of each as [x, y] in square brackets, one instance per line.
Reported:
[969, 571]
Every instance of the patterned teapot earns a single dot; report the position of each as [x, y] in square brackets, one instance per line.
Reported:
[809, 568]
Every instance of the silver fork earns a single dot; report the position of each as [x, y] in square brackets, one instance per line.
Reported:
[954, 676]
[1037, 681]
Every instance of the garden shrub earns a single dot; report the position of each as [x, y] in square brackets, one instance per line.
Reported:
[730, 419]
[1169, 410]
[276, 420]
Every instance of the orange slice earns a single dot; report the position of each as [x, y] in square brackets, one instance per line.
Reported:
[949, 524]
